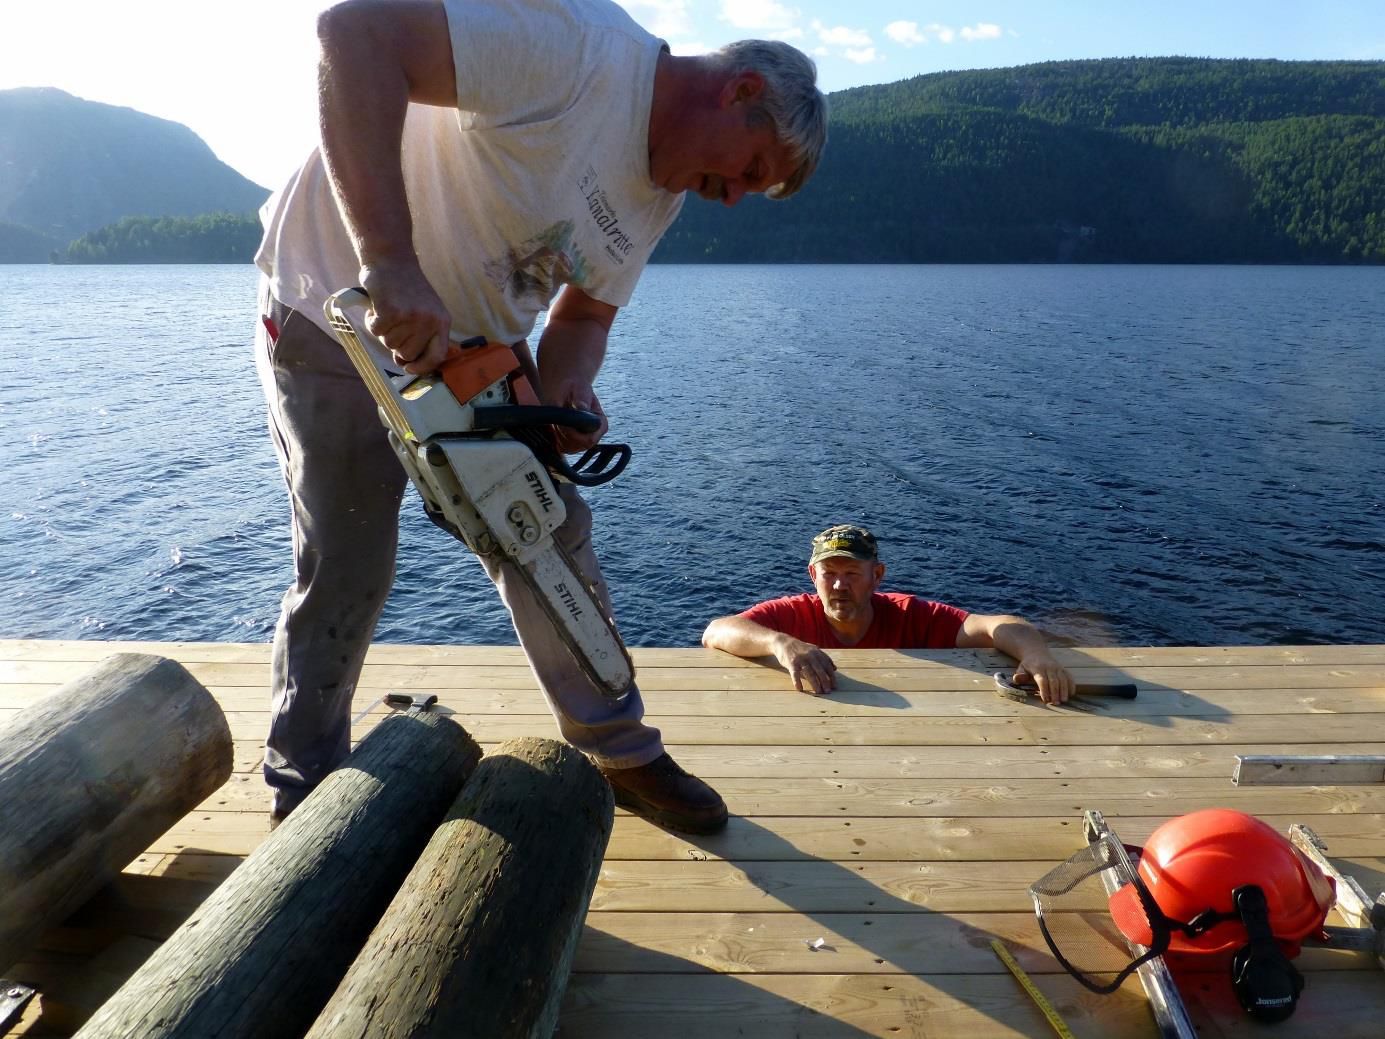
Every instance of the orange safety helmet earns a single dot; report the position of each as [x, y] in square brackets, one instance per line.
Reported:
[1217, 889]
[1192, 864]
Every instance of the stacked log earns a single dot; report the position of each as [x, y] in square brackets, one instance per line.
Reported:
[263, 954]
[479, 942]
[91, 776]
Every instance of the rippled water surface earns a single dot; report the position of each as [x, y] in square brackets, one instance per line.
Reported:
[1165, 455]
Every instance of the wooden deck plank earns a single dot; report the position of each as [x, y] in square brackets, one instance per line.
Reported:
[961, 839]
[690, 657]
[1035, 726]
[900, 820]
[775, 703]
[850, 677]
[622, 1006]
[922, 763]
[911, 798]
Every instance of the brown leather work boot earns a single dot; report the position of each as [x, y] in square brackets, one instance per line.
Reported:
[668, 796]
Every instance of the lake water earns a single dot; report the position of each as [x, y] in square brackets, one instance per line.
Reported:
[1134, 455]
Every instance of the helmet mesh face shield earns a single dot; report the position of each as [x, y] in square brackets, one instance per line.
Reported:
[1087, 906]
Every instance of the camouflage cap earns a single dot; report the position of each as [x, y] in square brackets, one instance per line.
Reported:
[844, 540]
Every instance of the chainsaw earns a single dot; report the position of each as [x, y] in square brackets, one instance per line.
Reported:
[480, 449]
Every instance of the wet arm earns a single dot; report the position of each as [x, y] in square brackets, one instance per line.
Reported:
[1018, 638]
[806, 664]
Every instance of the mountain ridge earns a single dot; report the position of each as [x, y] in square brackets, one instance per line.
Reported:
[69, 166]
[1172, 160]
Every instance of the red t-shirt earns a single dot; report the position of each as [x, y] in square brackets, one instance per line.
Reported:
[899, 621]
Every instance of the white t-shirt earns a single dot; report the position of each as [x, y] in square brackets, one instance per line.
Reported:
[539, 178]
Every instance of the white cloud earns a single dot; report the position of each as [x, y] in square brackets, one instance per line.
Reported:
[842, 36]
[981, 31]
[669, 19]
[906, 33]
[763, 15]
[863, 56]
[911, 34]
[690, 48]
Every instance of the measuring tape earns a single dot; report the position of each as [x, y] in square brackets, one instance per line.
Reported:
[1038, 997]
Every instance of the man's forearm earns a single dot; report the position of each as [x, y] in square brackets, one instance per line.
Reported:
[570, 353]
[741, 637]
[1018, 638]
[811, 669]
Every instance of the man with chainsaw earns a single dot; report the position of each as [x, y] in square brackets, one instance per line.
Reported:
[847, 612]
[479, 158]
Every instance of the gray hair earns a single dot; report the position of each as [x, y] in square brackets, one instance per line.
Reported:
[790, 101]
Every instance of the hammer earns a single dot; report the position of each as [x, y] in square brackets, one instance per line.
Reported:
[411, 702]
[1006, 687]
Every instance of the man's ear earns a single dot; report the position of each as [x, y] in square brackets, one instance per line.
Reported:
[879, 572]
[742, 87]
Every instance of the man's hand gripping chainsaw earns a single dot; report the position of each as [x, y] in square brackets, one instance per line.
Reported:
[477, 445]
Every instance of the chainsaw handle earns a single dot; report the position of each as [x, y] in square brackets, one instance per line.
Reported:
[358, 297]
[513, 416]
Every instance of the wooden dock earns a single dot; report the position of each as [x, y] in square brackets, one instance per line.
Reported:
[879, 838]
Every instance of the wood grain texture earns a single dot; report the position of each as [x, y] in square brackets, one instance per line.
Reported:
[480, 939]
[91, 776]
[260, 957]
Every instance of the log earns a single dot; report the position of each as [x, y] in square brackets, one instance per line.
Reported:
[91, 776]
[262, 955]
[479, 941]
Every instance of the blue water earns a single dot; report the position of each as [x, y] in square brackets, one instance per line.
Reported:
[1135, 455]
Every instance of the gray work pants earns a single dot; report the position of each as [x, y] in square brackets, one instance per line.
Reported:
[345, 486]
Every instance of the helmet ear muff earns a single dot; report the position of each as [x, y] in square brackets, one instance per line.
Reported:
[1267, 985]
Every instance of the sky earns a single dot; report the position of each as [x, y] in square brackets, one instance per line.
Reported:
[241, 73]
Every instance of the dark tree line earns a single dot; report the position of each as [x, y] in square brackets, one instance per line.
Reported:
[1172, 160]
[211, 238]
[1136, 160]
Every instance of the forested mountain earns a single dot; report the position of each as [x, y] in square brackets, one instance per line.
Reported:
[21, 245]
[211, 238]
[1138, 160]
[69, 166]
[1149, 159]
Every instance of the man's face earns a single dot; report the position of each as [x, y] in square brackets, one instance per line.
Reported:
[845, 585]
[743, 161]
[718, 153]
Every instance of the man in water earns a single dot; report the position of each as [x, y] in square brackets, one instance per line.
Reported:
[848, 613]
[477, 157]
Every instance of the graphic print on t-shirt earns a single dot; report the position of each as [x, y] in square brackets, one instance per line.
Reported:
[603, 214]
[531, 273]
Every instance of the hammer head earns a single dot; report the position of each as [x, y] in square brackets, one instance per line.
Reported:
[1005, 686]
[412, 701]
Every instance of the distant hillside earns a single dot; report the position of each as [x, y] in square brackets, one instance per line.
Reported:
[1141, 160]
[1167, 160]
[21, 245]
[69, 166]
